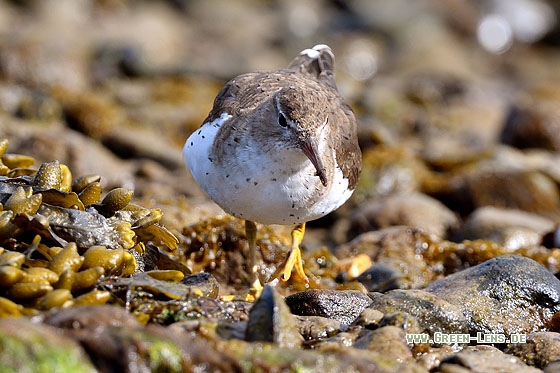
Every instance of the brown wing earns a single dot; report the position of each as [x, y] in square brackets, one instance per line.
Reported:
[348, 152]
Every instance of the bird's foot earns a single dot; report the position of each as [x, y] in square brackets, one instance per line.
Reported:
[294, 258]
[256, 287]
[293, 262]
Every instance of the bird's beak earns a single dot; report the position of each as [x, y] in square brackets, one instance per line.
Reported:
[309, 147]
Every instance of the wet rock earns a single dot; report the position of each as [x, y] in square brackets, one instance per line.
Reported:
[508, 294]
[342, 306]
[524, 190]
[327, 358]
[510, 228]
[534, 120]
[27, 346]
[544, 161]
[225, 328]
[114, 61]
[343, 339]
[431, 314]
[165, 312]
[380, 277]
[395, 252]
[369, 318]
[270, 320]
[195, 350]
[388, 341]
[108, 332]
[411, 209]
[526, 128]
[540, 349]
[449, 149]
[91, 318]
[402, 320]
[203, 283]
[132, 350]
[483, 359]
[317, 327]
[431, 358]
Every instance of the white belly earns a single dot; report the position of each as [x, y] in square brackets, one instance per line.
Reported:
[256, 186]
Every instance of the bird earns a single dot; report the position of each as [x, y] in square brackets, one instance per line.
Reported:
[278, 147]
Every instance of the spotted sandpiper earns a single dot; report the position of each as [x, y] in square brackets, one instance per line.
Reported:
[278, 147]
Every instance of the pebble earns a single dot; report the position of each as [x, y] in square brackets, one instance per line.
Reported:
[270, 320]
[317, 327]
[540, 350]
[343, 306]
[510, 228]
[381, 277]
[409, 209]
[388, 341]
[91, 318]
[533, 121]
[483, 359]
[525, 190]
[202, 283]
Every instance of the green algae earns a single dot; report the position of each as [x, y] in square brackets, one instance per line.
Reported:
[33, 351]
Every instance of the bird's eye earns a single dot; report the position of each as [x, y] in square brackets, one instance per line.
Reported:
[282, 120]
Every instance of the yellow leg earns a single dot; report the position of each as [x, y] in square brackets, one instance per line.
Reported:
[294, 259]
[256, 286]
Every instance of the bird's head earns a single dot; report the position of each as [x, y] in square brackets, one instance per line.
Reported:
[301, 119]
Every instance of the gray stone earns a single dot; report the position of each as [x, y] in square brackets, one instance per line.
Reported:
[485, 359]
[270, 320]
[431, 313]
[317, 327]
[510, 228]
[540, 349]
[387, 341]
[507, 294]
[409, 209]
[343, 306]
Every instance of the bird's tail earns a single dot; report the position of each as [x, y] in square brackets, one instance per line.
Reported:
[317, 62]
